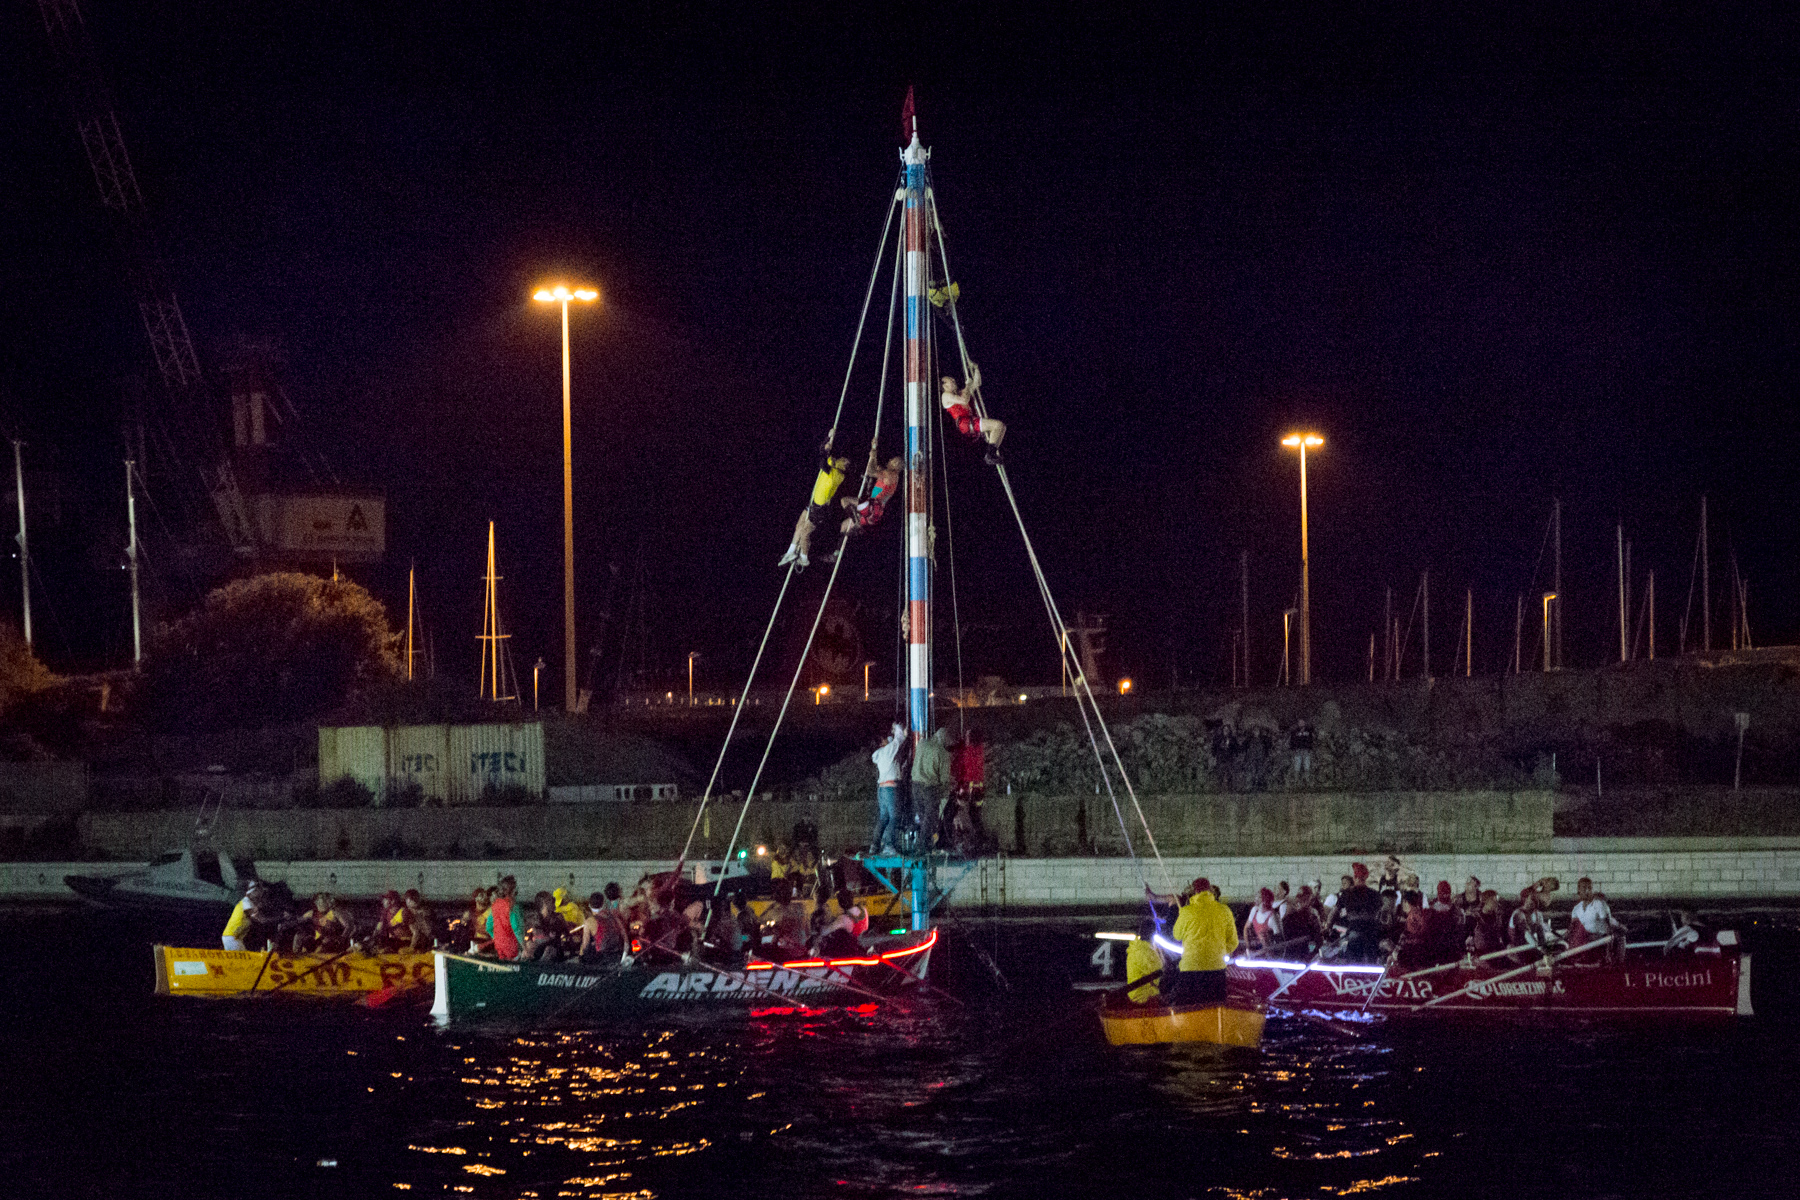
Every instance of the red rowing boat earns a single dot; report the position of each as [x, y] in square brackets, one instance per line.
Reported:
[1711, 980]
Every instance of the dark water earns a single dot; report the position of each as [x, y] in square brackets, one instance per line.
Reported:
[109, 1091]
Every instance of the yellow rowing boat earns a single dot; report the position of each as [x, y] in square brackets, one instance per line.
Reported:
[199, 971]
[1128, 1024]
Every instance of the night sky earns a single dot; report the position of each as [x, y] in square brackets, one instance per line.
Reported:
[1493, 255]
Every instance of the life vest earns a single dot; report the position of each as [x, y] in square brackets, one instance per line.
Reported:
[826, 485]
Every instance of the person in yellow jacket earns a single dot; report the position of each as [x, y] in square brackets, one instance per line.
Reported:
[1143, 960]
[1208, 934]
[568, 909]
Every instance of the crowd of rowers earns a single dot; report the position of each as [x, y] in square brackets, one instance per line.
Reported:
[665, 919]
[1391, 922]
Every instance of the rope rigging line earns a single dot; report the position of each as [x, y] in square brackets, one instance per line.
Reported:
[1059, 627]
[738, 711]
[868, 297]
[1082, 686]
[849, 371]
[793, 684]
[962, 722]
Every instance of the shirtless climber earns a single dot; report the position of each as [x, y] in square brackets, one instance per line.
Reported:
[883, 484]
[959, 404]
[818, 510]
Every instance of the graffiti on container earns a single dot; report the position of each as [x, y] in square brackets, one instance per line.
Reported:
[415, 763]
[496, 762]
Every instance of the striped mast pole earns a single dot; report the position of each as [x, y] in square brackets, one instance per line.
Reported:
[918, 434]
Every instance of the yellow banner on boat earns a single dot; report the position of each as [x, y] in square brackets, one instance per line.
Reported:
[200, 971]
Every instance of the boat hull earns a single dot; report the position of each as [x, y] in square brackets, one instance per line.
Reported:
[1650, 985]
[1234, 1023]
[201, 971]
[478, 989]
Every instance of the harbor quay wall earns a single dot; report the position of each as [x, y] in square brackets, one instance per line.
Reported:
[1624, 868]
[1028, 825]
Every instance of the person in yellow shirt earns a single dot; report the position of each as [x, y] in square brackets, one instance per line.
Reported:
[243, 917]
[817, 512]
[1143, 961]
[1208, 935]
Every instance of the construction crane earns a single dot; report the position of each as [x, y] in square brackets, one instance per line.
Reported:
[190, 440]
[208, 460]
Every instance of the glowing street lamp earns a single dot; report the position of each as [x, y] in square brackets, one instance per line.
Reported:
[692, 655]
[561, 294]
[1304, 442]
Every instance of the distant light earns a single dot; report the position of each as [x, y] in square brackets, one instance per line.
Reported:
[761, 851]
[824, 689]
[1021, 697]
[1309, 440]
[895, 932]
[1124, 686]
[1108, 936]
[743, 853]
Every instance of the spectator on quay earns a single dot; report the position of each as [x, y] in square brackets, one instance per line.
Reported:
[969, 768]
[1300, 742]
[930, 783]
[1225, 751]
[889, 758]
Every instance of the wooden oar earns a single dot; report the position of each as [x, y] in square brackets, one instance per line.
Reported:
[302, 975]
[265, 966]
[1574, 950]
[1379, 979]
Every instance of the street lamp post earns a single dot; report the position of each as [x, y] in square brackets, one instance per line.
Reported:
[1304, 442]
[535, 668]
[1548, 597]
[692, 655]
[562, 295]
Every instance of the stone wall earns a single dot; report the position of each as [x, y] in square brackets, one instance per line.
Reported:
[1403, 822]
[1717, 870]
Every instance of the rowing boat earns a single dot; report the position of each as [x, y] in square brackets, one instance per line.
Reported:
[201, 971]
[1236, 1022]
[470, 988]
[1711, 980]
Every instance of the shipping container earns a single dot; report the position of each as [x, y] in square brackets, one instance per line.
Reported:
[419, 755]
[613, 793]
[356, 752]
[481, 759]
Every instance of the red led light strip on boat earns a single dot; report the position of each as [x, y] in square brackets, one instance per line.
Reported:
[890, 956]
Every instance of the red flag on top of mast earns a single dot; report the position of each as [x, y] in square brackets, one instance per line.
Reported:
[908, 122]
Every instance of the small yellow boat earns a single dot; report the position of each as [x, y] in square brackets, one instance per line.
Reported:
[200, 971]
[1235, 1022]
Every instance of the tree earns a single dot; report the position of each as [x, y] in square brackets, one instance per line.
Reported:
[21, 673]
[275, 647]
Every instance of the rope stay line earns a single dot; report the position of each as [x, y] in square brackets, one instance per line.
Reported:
[781, 715]
[1085, 699]
[868, 296]
[830, 437]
